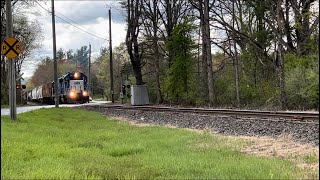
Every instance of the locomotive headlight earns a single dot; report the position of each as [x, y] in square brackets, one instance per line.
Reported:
[72, 94]
[76, 75]
[85, 93]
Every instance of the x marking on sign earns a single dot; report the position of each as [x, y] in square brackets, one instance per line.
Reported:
[11, 48]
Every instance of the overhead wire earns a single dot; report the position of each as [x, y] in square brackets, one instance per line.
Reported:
[71, 23]
[82, 29]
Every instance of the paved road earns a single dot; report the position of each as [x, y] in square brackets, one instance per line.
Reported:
[6, 111]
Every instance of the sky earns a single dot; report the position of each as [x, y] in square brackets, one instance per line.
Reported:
[90, 16]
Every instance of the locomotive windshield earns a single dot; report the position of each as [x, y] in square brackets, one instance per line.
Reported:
[77, 85]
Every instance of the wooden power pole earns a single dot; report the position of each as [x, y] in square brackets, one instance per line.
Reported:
[89, 75]
[55, 67]
[111, 66]
[12, 69]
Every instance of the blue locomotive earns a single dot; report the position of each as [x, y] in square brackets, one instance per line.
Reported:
[72, 88]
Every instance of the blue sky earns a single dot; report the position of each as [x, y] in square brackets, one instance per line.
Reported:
[91, 16]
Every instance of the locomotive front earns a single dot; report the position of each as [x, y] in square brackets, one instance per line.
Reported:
[77, 90]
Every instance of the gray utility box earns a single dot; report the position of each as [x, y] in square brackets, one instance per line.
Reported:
[139, 95]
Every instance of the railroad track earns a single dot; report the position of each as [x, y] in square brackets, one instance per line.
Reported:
[295, 116]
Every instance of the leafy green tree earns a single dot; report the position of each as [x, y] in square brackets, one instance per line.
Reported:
[103, 76]
[81, 58]
[102, 66]
[70, 55]
[60, 54]
[44, 71]
[180, 82]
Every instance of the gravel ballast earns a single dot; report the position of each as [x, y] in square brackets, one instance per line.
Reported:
[228, 125]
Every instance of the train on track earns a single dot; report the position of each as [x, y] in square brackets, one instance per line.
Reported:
[72, 88]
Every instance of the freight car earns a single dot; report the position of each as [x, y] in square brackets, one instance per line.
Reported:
[72, 88]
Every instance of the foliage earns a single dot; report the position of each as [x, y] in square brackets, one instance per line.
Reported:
[256, 83]
[44, 71]
[61, 54]
[225, 87]
[103, 75]
[27, 31]
[302, 81]
[4, 97]
[81, 58]
[120, 65]
[180, 80]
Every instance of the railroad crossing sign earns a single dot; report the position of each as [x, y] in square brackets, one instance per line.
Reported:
[11, 47]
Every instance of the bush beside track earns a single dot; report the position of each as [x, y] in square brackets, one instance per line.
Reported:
[301, 132]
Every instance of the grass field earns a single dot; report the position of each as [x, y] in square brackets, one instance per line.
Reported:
[69, 143]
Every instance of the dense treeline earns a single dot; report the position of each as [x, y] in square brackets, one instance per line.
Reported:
[221, 53]
[250, 53]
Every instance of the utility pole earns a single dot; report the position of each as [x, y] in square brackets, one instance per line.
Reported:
[55, 67]
[12, 69]
[89, 76]
[111, 67]
[121, 89]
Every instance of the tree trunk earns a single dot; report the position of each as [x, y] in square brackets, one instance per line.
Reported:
[156, 52]
[287, 26]
[169, 27]
[302, 24]
[134, 13]
[280, 60]
[281, 77]
[204, 69]
[208, 52]
[137, 63]
[235, 62]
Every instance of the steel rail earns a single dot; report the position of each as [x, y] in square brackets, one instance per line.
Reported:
[298, 116]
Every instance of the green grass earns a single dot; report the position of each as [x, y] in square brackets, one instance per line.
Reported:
[69, 143]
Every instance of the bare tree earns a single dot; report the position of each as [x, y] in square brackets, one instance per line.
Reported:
[133, 20]
[279, 56]
[203, 8]
[303, 27]
[151, 23]
[171, 14]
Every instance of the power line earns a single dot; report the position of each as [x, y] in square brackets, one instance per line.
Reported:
[71, 20]
[81, 29]
[71, 23]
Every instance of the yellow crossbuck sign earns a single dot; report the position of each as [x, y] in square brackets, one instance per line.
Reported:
[11, 47]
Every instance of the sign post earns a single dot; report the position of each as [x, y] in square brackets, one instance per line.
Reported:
[9, 48]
